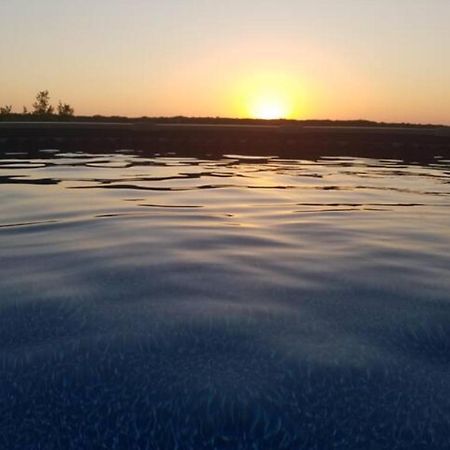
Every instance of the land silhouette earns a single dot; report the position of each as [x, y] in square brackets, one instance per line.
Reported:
[43, 110]
[48, 126]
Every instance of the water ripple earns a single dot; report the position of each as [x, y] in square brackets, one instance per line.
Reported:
[155, 301]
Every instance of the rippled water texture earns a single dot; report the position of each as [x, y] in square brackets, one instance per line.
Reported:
[242, 303]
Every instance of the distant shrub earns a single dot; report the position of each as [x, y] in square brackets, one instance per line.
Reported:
[65, 110]
[41, 106]
[5, 110]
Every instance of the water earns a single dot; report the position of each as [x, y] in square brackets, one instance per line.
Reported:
[166, 302]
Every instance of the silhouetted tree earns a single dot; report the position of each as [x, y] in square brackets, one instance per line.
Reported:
[5, 110]
[24, 110]
[65, 110]
[42, 104]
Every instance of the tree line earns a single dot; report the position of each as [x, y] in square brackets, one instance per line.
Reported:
[42, 107]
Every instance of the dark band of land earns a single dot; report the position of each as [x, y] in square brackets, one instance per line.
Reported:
[419, 143]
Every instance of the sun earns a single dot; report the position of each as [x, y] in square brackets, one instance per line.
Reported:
[269, 107]
[269, 96]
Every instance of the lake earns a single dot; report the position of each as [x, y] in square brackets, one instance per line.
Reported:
[157, 301]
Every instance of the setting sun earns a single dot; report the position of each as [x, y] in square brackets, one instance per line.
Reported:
[269, 96]
[270, 107]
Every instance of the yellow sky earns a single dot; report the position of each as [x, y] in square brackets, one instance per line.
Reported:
[354, 59]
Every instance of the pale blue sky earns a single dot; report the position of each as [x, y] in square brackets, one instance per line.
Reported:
[380, 59]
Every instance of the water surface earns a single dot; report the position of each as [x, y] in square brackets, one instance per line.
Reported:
[162, 302]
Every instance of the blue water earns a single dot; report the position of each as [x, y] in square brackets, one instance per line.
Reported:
[162, 302]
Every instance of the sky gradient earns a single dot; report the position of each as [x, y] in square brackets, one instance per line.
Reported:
[383, 60]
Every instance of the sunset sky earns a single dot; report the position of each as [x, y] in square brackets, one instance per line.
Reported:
[382, 59]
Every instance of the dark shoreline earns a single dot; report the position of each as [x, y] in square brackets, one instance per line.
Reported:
[291, 141]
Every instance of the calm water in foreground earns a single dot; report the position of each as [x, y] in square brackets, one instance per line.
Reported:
[238, 303]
